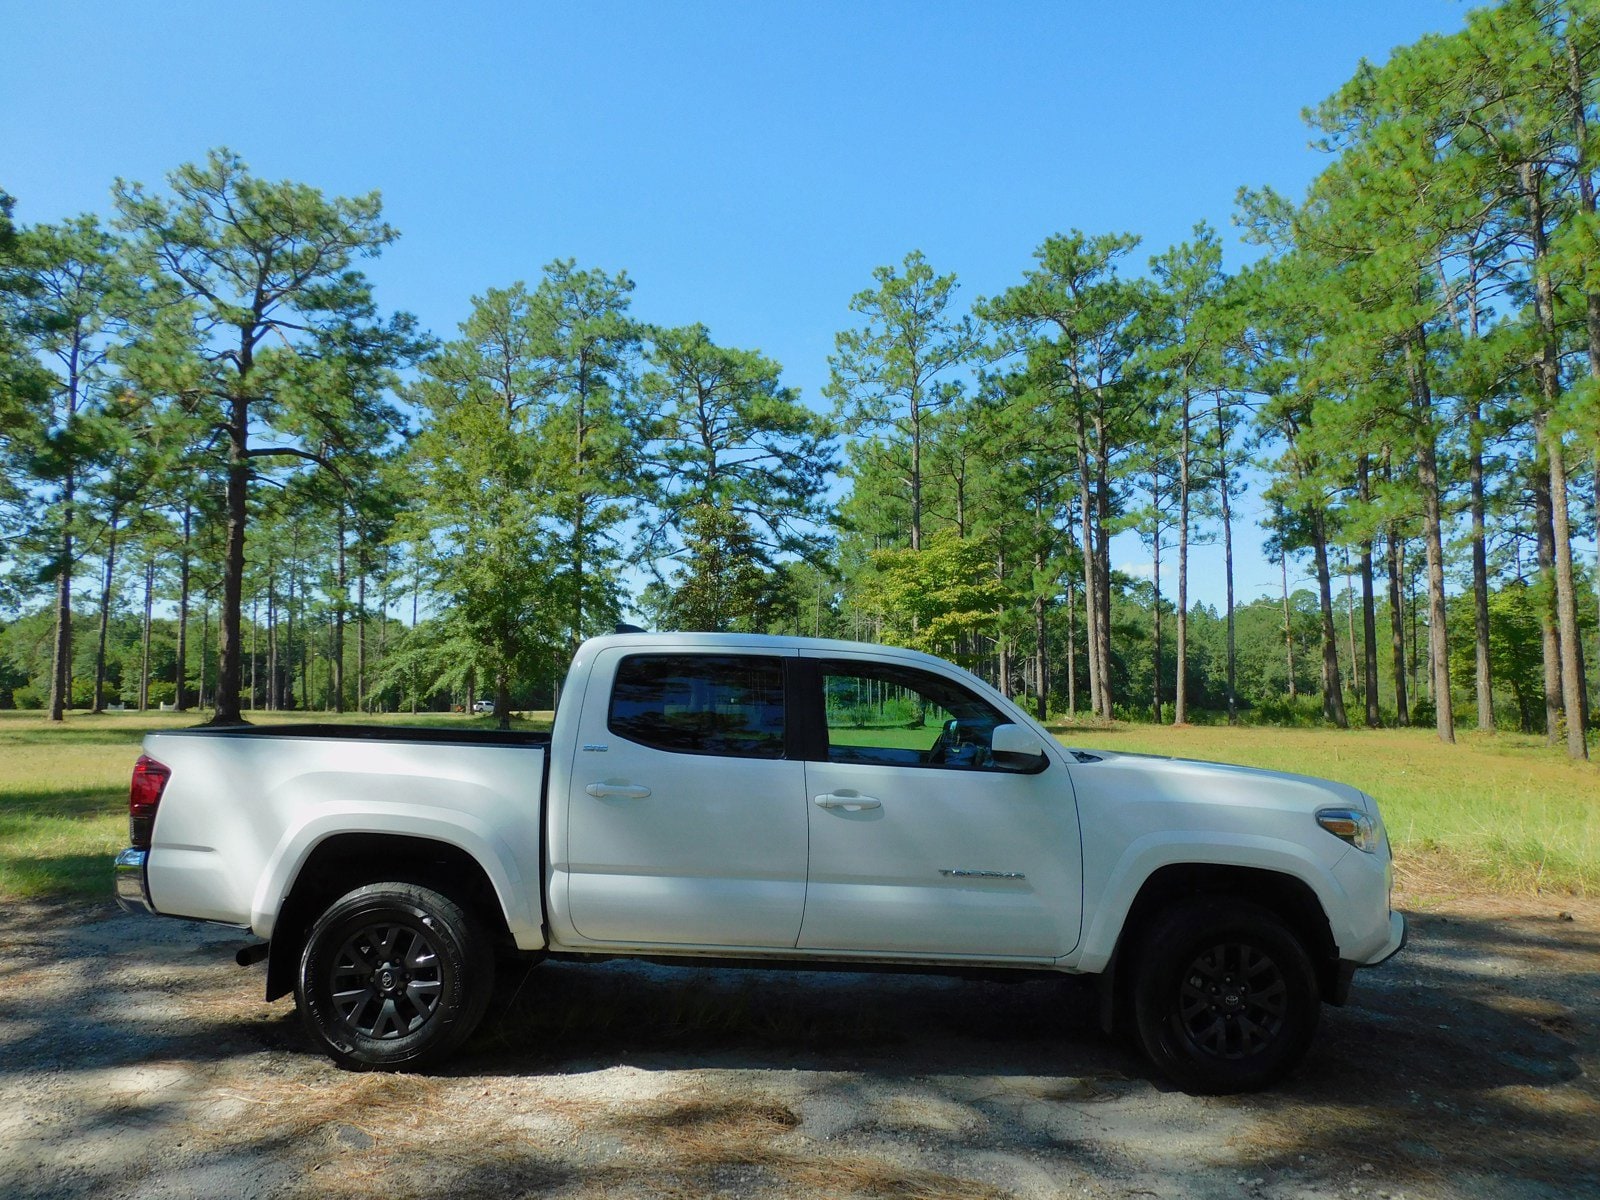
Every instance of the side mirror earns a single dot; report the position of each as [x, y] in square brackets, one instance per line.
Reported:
[1017, 748]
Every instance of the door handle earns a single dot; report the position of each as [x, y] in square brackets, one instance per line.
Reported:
[625, 791]
[848, 801]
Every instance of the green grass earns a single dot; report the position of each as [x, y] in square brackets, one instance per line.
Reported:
[1503, 813]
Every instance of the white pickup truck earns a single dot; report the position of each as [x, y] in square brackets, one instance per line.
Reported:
[770, 801]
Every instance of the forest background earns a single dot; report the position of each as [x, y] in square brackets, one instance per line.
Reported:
[235, 481]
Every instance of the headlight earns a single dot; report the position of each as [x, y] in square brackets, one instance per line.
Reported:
[1351, 825]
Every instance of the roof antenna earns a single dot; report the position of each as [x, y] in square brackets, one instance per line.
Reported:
[624, 628]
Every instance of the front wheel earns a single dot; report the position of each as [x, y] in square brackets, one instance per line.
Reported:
[1225, 997]
[393, 975]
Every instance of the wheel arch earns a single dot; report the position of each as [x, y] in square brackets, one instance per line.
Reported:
[1287, 896]
[343, 862]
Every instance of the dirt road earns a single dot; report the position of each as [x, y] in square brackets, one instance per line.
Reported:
[136, 1060]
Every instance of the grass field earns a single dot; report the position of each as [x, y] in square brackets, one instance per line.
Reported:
[1502, 813]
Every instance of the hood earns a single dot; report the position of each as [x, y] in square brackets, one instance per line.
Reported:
[1151, 776]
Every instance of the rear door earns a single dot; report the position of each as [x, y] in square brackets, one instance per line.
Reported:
[686, 819]
[921, 844]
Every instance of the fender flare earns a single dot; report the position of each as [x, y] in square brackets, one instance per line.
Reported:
[1149, 854]
[464, 832]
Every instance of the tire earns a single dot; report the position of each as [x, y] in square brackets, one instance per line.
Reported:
[1225, 997]
[392, 976]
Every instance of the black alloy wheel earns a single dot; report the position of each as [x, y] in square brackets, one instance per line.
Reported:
[1233, 1000]
[387, 980]
[393, 975]
[1225, 996]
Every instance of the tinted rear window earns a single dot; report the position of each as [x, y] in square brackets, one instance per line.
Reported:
[700, 704]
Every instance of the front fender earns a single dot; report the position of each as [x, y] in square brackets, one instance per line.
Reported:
[1149, 854]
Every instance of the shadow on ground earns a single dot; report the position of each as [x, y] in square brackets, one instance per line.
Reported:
[135, 1058]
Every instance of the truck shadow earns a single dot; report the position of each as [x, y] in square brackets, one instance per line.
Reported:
[1472, 1056]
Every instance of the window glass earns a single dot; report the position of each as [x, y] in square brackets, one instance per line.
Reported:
[900, 716]
[700, 704]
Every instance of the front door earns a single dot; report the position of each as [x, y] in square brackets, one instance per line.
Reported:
[686, 822]
[922, 844]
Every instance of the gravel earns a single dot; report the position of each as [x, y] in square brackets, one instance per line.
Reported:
[137, 1060]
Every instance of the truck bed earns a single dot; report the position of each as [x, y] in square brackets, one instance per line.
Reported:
[246, 805]
[381, 733]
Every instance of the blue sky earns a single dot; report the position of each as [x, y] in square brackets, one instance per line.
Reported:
[747, 164]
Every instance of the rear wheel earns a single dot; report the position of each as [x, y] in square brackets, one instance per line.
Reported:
[1225, 997]
[393, 975]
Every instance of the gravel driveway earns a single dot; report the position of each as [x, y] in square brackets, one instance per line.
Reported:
[137, 1060]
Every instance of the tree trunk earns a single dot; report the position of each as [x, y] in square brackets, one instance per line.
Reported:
[1545, 556]
[181, 699]
[255, 630]
[144, 635]
[1103, 561]
[297, 587]
[1041, 651]
[229, 644]
[1227, 558]
[331, 697]
[1091, 587]
[1180, 690]
[205, 642]
[1548, 366]
[1072, 651]
[340, 600]
[105, 610]
[1483, 680]
[1397, 624]
[1369, 639]
[61, 645]
[916, 472]
[1566, 599]
[61, 656]
[272, 636]
[1002, 643]
[411, 669]
[581, 500]
[1332, 686]
[1432, 533]
[1483, 685]
[1155, 618]
[361, 629]
[1288, 626]
[288, 641]
[1369, 615]
[1416, 654]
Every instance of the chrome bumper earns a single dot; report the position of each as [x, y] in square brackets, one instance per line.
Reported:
[132, 882]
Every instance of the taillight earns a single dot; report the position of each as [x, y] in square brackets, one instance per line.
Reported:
[144, 795]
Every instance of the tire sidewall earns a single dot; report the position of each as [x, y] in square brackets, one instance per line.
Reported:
[1174, 944]
[463, 962]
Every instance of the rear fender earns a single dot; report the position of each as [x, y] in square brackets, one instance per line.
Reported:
[515, 891]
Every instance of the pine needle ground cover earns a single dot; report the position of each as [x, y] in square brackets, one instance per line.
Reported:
[1499, 813]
